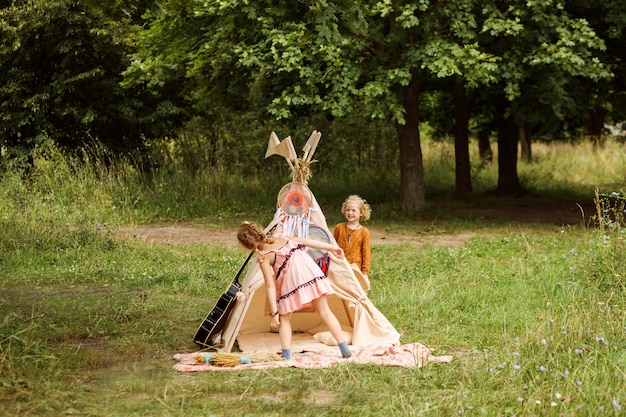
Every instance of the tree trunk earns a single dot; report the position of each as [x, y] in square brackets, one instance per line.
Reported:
[508, 181]
[463, 177]
[412, 192]
[484, 145]
[595, 125]
[525, 136]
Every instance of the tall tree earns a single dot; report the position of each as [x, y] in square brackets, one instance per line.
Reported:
[540, 45]
[320, 56]
[332, 56]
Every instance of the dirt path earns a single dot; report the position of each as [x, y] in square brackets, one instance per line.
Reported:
[181, 233]
[523, 211]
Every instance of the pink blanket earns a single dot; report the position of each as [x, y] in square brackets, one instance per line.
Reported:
[409, 356]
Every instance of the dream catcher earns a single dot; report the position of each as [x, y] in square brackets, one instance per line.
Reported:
[294, 208]
[294, 200]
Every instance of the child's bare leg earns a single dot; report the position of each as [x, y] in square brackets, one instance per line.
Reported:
[330, 320]
[284, 331]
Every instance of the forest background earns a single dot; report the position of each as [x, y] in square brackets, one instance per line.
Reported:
[476, 129]
[202, 81]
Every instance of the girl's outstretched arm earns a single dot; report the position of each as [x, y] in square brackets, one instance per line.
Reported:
[312, 243]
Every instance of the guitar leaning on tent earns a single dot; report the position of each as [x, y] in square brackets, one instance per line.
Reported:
[215, 320]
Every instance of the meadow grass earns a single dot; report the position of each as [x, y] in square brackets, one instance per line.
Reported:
[533, 316]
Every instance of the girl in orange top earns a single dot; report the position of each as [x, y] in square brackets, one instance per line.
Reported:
[352, 236]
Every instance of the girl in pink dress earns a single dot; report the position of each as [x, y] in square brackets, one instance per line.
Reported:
[293, 281]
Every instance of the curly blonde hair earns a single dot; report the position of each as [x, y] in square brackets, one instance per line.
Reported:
[364, 207]
[251, 235]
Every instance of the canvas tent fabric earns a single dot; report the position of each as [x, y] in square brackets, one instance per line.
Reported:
[357, 314]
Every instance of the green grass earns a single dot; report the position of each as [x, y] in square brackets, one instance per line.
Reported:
[96, 340]
[534, 317]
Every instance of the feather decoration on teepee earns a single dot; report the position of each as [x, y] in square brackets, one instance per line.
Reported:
[311, 145]
[284, 149]
[300, 167]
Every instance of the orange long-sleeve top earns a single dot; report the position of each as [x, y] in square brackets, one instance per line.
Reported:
[356, 245]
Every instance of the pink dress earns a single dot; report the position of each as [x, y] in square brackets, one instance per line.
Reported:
[299, 280]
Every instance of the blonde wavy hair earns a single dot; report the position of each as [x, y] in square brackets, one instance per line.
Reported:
[364, 207]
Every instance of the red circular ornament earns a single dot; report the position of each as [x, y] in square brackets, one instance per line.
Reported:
[293, 203]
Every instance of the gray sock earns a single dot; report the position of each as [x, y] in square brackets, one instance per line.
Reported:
[286, 353]
[345, 350]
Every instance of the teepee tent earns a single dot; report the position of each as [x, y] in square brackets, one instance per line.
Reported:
[299, 214]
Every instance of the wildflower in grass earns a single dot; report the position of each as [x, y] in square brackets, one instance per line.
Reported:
[516, 367]
[544, 342]
[616, 405]
[553, 404]
[537, 402]
[515, 353]
[566, 373]
[520, 400]
[579, 382]
[542, 368]
[601, 339]
[578, 351]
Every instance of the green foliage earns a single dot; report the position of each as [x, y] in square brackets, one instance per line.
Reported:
[62, 202]
[121, 10]
[605, 265]
[60, 69]
[608, 20]
[329, 56]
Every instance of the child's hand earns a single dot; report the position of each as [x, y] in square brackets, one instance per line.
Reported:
[338, 252]
[275, 323]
